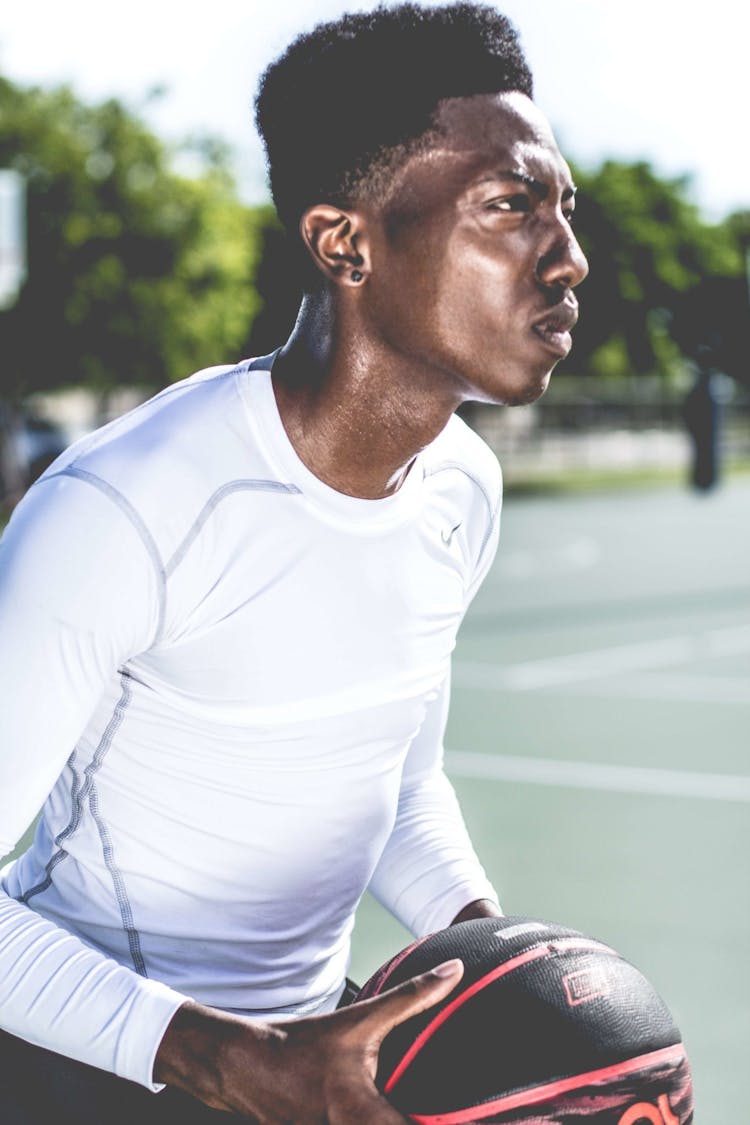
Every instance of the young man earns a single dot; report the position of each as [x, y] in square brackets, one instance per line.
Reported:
[227, 618]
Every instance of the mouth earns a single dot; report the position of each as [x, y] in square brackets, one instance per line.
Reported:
[553, 329]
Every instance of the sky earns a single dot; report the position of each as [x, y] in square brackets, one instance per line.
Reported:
[661, 80]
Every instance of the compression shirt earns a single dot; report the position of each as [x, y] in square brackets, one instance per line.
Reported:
[226, 684]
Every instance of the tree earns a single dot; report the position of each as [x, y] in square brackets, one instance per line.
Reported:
[651, 257]
[279, 292]
[136, 275]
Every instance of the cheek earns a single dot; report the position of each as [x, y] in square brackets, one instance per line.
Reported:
[478, 292]
[443, 290]
[406, 288]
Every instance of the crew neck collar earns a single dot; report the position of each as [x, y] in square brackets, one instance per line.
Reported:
[338, 506]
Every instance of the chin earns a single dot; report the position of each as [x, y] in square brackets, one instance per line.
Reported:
[526, 390]
[531, 394]
[513, 384]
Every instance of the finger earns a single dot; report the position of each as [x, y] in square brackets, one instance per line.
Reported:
[376, 1017]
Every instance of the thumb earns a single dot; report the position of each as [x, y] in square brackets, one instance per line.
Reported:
[382, 1013]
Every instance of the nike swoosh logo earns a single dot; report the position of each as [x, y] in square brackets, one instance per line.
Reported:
[447, 538]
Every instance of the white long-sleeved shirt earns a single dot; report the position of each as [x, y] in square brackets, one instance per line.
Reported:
[226, 685]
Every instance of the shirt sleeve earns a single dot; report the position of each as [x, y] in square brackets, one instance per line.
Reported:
[80, 593]
[429, 871]
[488, 548]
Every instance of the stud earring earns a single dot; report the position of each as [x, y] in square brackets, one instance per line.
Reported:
[356, 275]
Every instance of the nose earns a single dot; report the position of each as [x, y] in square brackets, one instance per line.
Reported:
[563, 263]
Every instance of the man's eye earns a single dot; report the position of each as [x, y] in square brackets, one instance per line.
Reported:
[510, 203]
[570, 216]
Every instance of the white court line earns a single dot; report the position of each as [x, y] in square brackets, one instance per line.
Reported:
[530, 675]
[733, 690]
[594, 775]
[577, 554]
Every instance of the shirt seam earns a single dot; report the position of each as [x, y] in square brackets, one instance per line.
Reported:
[210, 506]
[79, 796]
[137, 522]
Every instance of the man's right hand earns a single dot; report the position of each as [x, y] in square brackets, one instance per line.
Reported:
[318, 1070]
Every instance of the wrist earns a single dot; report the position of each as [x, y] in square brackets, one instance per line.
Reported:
[194, 1049]
[480, 908]
[182, 1058]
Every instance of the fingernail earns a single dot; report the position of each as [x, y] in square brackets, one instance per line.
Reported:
[448, 968]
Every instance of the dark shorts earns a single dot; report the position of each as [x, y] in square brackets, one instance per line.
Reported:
[38, 1087]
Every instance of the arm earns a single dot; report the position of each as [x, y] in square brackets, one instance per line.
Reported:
[429, 874]
[78, 596]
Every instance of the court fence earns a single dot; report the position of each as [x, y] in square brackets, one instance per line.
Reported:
[584, 425]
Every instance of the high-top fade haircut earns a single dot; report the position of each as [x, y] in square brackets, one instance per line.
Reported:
[350, 101]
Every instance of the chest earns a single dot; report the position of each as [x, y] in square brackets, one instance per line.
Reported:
[289, 615]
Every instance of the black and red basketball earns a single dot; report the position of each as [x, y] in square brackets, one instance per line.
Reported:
[546, 1027]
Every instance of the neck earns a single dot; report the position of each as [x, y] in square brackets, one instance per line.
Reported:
[356, 411]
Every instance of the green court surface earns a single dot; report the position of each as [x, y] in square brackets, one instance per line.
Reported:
[600, 746]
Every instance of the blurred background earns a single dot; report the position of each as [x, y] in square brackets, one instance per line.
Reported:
[598, 737]
[137, 243]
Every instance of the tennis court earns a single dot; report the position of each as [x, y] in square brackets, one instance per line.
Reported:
[598, 740]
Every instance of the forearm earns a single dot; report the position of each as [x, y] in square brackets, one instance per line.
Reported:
[59, 993]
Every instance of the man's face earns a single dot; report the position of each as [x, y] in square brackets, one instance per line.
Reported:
[473, 256]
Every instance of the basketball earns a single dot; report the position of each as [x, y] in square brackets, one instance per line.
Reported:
[546, 1027]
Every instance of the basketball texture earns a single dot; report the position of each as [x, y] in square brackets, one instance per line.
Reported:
[547, 1027]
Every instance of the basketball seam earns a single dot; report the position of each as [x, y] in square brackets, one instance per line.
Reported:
[544, 949]
[389, 969]
[674, 1054]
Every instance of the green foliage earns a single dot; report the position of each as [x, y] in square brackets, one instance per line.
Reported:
[650, 254]
[136, 275]
[139, 276]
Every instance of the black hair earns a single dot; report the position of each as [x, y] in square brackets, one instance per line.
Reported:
[356, 96]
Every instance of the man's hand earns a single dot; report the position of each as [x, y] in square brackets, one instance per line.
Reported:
[480, 908]
[314, 1071]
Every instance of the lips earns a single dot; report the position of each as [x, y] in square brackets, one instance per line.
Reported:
[553, 329]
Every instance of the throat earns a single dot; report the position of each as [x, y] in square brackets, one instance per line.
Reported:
[349, 455]
[355, 416]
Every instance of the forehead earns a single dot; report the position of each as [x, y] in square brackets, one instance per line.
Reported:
[502, 127]
[481, 134]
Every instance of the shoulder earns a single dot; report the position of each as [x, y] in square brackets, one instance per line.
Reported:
[158, 423]
[162, 462]
[459, 453]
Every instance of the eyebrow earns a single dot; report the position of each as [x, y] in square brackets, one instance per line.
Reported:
[541, 190]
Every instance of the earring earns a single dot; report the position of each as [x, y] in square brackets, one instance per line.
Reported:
[356, 275]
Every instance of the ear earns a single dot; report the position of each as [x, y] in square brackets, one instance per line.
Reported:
[338, 243]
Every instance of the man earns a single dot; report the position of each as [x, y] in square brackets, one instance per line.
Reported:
[228, 617]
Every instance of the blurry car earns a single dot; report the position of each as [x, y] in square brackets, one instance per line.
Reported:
[37, 443]
[28, 444]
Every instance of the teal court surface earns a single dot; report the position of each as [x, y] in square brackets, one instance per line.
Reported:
[600, 745]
